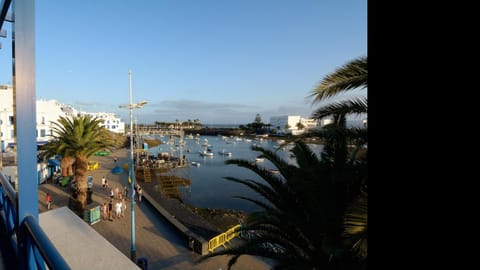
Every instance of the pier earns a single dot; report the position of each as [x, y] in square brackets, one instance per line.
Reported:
[152, 130]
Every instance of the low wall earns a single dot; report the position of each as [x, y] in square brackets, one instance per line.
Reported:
[200, 244]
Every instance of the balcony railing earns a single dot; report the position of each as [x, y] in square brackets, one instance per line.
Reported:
[29, 242]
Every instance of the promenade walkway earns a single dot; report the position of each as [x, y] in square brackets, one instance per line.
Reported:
[156, 239]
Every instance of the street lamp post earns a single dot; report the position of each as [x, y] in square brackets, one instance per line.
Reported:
[131, 168]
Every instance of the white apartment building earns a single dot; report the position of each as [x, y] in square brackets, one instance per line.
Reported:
[288, 124]
[111, 121]
[48, 111]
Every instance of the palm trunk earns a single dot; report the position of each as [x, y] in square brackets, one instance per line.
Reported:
[81, 164]
[64, 165]
[70, 167]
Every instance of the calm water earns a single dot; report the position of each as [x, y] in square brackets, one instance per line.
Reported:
[208, 187]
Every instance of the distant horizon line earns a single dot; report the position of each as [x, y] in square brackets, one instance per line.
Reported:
[358, 121]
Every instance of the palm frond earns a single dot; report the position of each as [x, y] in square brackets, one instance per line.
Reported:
[351, 106]
[349, 76]
[356, 226]
[305, 157]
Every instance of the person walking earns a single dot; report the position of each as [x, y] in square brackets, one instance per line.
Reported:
[135, 193]
[125, 192]
[117, 193]
[140, 193]
[105, 211]
[110, 210]
[48, 200]
[118, 209]
[124, 207]
[103, 182]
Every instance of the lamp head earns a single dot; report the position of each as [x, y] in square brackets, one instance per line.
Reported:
[141, 103]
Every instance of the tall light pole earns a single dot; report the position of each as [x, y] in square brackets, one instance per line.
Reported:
[131, 168]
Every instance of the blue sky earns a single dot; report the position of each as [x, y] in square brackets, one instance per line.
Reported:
[221, 61]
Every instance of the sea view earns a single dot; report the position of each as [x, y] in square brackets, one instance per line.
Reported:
[208, 187]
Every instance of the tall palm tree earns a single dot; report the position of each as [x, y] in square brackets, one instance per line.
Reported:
[315, 214]
[353, 75]
[79, 137]
[298, 224]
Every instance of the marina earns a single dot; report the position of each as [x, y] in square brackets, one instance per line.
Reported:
[207, 187]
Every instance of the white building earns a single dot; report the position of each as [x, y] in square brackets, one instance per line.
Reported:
[6, 115]
[48, 111]
[289, 124]
[326, 121]
[111, 121]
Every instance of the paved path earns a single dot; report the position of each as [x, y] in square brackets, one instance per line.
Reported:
[155, 239]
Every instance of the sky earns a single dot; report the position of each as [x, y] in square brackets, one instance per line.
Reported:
[219, 61]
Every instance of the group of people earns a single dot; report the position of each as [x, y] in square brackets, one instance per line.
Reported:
[115, 208]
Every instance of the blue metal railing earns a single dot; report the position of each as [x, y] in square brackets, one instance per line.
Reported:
[29, 242]
[8, 210]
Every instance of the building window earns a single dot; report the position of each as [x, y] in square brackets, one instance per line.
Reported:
[43, 133]
[11, 120]
[43, 120]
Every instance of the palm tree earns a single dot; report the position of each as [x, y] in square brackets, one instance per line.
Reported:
[79, 138]
[353, 75]
[298, 226]
[300, 126]
[315, 214]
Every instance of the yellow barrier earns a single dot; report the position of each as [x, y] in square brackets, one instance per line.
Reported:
[223, 238]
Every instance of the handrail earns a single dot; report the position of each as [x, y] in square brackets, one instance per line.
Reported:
[223, 238]
[30, 242]
[11, 192]
[47, 250]
[3, 11]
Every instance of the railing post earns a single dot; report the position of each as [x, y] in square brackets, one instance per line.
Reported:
[23, 54]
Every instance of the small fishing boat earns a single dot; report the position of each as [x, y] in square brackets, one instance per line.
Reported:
[195, 164]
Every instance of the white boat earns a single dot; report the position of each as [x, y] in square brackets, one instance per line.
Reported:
[225, 153]
[196, 164]
[204, 153]
[205, 143]
[259, 159]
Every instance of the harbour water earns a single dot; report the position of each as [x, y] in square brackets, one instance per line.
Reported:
[208, 188]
